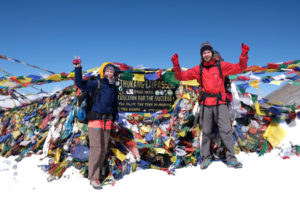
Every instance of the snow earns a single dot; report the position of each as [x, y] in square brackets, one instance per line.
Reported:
[269, 177]
[7, 102]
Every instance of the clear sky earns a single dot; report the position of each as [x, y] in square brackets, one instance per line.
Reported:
[48, 33]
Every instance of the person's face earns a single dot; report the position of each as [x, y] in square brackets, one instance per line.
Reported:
[207, 55]
[109, 73]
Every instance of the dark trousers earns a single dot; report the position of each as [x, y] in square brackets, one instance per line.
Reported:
[99, 139]
[222, 120]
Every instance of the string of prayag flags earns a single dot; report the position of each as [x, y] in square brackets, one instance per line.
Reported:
[24, 63]
[288, 68]
[289, 72]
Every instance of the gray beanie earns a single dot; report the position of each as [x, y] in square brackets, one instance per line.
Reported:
[109, 67]
[206, 46]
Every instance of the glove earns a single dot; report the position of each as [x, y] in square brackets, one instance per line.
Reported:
[175, 60]
[77, 62]
[245, 49]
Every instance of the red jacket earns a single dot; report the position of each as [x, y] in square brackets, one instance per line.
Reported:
[211, 80]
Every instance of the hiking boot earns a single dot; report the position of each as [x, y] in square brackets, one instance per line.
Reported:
[234, 164]
[96, 184]
[205, 163]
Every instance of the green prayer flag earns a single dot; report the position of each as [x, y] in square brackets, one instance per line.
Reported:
[266, 77]
[281, 66]
[170, 78]
[293, 107]
[254, 97]
[233, 77]
[127, 76]
[23, 129]
[264, 148]
[242, 91]
[297, 149]
[294, 83]
[276, 119]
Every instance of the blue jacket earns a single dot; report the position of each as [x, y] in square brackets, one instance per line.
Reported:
[108, 103]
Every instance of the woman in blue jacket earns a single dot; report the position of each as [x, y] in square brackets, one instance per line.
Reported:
[103, 112]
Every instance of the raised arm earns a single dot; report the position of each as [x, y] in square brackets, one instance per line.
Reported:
[231, 69]
[81, 84]
[190, 74]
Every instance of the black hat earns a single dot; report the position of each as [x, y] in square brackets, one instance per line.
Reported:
[206, 46]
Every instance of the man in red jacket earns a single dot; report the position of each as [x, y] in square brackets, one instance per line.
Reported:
[212, 98]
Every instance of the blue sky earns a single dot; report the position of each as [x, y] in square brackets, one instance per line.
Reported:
[49, 33]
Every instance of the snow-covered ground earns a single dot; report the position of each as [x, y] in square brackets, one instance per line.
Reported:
[268, 177]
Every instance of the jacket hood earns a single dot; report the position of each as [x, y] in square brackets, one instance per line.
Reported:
[101, 69]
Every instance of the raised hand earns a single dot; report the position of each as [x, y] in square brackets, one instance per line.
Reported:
[245, 49]
[174, 59]
[77, 61]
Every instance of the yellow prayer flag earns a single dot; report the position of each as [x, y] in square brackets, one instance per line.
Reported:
[259, 71]
[257, 108]
[175, 103]
[182, 133]
[71, 75]
[254, 84]
[187, 96]
[194, 160]
[274, 134]
[133, 167]
[116, 139]
[158, 132]
[258, 111]
[292, 66]
[139, 77]
[147, 115]
[24, 80]
[191, 83]
[167, 115]
[16, 134]
[57, 156]
[41, 140]
[118, 154]
[276, 82]
[197, 129]
[271, 70]
[2, 145]
[107, 178]
[153, 167]
[92, 70]
[167, 142]
[161, 151]
[174, 159]
[54, 77]
[142, 141]
[145, 129]
[82, 137]
[8, 83]
[278, 102]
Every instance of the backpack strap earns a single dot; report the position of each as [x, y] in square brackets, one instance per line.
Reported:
[98, 90]
[99, 84]
[218, 64]
[201, 72]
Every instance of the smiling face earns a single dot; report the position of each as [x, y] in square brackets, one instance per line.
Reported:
[109, 73]
[207, 55]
